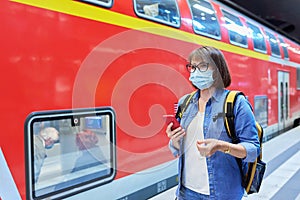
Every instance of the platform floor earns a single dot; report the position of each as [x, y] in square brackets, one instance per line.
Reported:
[282, 176]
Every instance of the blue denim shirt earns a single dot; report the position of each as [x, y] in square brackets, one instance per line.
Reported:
[223, 171]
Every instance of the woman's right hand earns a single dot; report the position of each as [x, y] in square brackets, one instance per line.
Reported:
[175, 135]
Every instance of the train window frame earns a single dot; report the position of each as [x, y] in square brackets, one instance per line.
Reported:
[100, 123]
[233, 34]
[256, 41]
[275, 49]
[205, 9]
[153, 7]
[107, 4]
[284, 47]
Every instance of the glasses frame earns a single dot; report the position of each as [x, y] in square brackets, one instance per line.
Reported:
[203, 68]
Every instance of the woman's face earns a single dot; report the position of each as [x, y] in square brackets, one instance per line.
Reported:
[201, 74]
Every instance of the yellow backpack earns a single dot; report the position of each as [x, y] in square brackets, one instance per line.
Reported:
[253, 177]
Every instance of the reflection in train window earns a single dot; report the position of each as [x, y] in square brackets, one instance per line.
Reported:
[205, 21]
[69, 151]
[163, 11]
[275, 51]
[237, 32]
[284, 48]
[259, 42]
[105, 3]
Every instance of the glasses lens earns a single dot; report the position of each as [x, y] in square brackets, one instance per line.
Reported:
[203, 67]
[190, 67]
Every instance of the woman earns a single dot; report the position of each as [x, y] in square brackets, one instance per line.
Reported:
[207, 164]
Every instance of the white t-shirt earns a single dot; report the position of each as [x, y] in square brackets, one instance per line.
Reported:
[195, 174]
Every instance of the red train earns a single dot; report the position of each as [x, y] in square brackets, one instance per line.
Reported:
[114, 68]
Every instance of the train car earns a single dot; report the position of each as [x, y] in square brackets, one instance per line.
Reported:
[101, 74]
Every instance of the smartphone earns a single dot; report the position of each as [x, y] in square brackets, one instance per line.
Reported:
[171, 118]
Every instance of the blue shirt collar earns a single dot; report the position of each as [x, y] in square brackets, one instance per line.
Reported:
[216, 96]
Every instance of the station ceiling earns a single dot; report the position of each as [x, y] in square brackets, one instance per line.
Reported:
[283, 15]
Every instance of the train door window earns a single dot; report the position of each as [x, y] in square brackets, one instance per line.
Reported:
[275, 51]
[284, 48]
[162, 11]
[69, 151]
[237, 32]
[205, 21]
[283, 99]
[105, 3]
[259, 42]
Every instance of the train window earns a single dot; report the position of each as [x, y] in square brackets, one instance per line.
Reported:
[162, 11]
[275, 51]
[237, 32]
[105, 3]
[205, 21]
[259, 42]
[261, 110]
[284, 48]
[69, 151]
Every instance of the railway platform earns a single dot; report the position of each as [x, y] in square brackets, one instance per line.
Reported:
[282, 176]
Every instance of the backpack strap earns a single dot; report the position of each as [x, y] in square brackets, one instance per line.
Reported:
[260, 132]
[182, 107]
[229, 114]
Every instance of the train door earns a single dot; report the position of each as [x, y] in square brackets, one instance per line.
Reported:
[283, 99]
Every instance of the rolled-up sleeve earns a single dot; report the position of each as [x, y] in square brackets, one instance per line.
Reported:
[174, 151]
[251, 150]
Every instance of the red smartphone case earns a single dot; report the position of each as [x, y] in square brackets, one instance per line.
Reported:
[171, 118]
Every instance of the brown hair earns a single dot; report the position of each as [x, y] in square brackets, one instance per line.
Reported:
[216, 59]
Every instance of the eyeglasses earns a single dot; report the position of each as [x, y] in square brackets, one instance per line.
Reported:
[201, 66]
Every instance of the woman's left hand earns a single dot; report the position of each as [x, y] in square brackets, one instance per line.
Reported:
[207, 147]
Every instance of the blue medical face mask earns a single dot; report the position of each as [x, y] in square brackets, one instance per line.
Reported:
[202, 80]
[49, 146]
